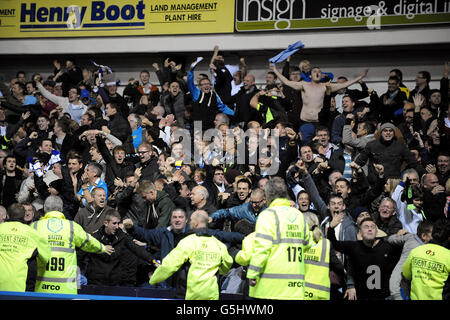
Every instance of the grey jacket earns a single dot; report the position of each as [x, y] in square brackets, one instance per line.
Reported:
[409, 241]
[90, 219]
[358, 143]
[174, 105]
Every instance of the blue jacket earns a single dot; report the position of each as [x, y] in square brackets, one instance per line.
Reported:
[164, 239]
[195, 92]
[243, 211]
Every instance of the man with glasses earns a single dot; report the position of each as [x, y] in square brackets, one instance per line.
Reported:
[205, 102]
[147, 162]
[423, 79]
[248, 210]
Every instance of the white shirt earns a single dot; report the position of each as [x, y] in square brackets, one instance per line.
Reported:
[338, 98]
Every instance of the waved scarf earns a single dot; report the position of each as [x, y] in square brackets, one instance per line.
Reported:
[35, 165]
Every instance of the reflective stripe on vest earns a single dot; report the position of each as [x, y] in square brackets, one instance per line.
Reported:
[71, 233]
[321, 263]
[58, 280]
[286, 240]
[280, 240]
[254, 268]
[323, 257]
[85, 241]
[264, 236]
[316, 286]
[59, 249]
[282, 276]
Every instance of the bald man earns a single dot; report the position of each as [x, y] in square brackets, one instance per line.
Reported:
[206, 256]
[199, 200]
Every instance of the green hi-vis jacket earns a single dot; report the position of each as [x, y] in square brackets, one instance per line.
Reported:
[428, 267]
[245, 254]
[59, 275]
[277, 261]
[18, 243]
[317, 268]
[206, 256]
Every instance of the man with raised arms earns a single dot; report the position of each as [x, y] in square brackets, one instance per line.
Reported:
[314, 92]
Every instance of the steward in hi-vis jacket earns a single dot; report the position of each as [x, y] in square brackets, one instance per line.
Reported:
[59, 275]
[277, 265]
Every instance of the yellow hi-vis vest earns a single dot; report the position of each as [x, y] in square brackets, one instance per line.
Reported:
[405, 90]
[206, 256]
[428, 267]
[59, 275]
[277, 261]
[317, 268]
[18, 243]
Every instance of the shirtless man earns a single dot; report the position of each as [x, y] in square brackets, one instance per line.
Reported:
[313, 92]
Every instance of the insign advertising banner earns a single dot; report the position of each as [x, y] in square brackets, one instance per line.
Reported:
[269, 15]
[84, 18]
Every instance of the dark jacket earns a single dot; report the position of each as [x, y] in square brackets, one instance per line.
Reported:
[132, 205]
[70, 203]
[295, 99]
[223, 84]
[243, 111]
[391, 226]
[91, 219]
[233, 200]
[9, 187]
[150, 170]
[363, 259]
[278, 108]
[387, 110]
[119, 127]
[357, 198]
[208, 207]
[109, 270]
[70, 78]
[113, 170]
[160, 211]
[338, 126]
[390, 154]
[121, 103]
[67, 145]
[174, 105]
[433, 205]
[172, 190]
